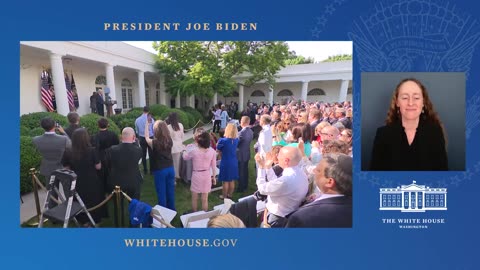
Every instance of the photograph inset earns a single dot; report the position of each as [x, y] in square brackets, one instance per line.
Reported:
[413, 121]
[186, 134]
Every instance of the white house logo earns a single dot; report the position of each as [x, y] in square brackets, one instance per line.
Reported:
[413, 198]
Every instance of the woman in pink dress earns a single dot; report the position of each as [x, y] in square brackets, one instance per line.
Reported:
[203, 169]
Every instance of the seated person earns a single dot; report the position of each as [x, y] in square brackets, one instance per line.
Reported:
[333, 208]
[285, 193]
[225, 221]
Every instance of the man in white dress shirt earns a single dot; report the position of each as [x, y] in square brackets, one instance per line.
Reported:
[265, 140]
[285, 193]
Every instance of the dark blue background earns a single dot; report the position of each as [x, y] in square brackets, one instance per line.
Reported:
[369, 245]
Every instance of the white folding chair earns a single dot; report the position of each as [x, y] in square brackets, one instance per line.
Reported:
[198, 219]
[162, 215]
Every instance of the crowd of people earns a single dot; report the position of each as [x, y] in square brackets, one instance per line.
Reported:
[303, 160]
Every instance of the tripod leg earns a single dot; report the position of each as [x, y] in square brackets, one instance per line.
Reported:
[67, 213]
[84, 208]
[76, 221]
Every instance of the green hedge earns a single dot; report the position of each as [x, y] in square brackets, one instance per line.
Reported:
[24, 131]
[36, 132]
[182, 117]
[134, 113]
[158, 110]
[195, 113]
[89, 121]
[29, 158]
[32, 120]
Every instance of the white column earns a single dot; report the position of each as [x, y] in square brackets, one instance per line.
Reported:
[304, 90]
[270, 95]
[240, 97]
[191, 101]
[141, 88]
[416, 199]
[215, 99]
[445, 200]
[381, 200]
[163, 96]
[403, 199]
[177, 100]
[343, 91]
[423, 200]
[59, 84]
[111, 82]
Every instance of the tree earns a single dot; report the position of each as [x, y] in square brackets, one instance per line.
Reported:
[338, 57]
[294, 59]
[206, 68]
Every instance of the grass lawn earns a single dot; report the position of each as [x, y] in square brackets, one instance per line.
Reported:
[182, 196]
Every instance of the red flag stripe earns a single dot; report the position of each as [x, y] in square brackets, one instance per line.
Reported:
[45, 94]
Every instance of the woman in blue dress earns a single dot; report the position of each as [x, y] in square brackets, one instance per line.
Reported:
[227, 146]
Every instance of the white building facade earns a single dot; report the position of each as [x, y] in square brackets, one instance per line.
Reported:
[413, 198]
[130, 76]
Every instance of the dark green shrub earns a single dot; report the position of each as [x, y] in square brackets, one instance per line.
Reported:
[29, 158]
[89, 121]
[32, 120]
[36, 132]
[116, 118]
[238, 115]
[158, 110]
[134, 113]
[192, 111]
[126, 122]
[24, 131]
[182, 117]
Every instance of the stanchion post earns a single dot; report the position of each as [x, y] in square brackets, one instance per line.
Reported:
[35, 191]
[117, 205]
[35, 222]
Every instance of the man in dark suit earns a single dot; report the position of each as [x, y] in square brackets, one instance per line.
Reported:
[51, 147]
[333, 208]
[122, 161]
[245, 137]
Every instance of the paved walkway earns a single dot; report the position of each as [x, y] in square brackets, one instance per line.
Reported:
[28, 209]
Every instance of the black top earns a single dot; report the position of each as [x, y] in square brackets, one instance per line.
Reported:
[122, 162]
[391, 151]
[71, 129]
[103, 140]
[88, 186]
[161, 159]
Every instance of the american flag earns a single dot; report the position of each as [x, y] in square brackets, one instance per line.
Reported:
[46, 97]
[71, 104]
[74, 90]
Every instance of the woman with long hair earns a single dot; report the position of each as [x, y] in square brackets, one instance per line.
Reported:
[175, 128]
[304, 131]
[413, 138]
[162, 163]
[82, 158]
[204, 166]
[229, 162]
